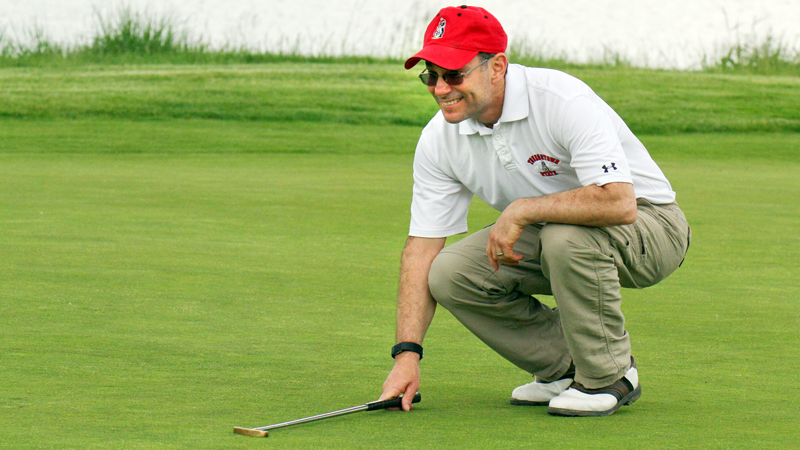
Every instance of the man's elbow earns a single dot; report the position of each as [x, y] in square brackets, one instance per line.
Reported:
[628, 212]
[623, 203]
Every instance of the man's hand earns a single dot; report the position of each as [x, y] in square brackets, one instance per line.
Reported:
[403, 379]
[592, 206]
[502, 237]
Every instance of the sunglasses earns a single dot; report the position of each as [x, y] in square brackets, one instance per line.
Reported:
[452, 78]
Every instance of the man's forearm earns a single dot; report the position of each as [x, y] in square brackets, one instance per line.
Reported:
[594, 206]
[598, 206]
[415, 306]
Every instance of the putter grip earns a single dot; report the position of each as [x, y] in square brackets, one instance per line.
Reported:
[390, 402]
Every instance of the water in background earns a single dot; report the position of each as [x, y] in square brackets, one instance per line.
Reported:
[654, 33]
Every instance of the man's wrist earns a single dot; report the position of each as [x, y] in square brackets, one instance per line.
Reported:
[407, 347]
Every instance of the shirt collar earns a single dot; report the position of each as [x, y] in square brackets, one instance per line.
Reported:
[515, 104]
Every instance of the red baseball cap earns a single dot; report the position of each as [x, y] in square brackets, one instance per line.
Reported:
[457, 34]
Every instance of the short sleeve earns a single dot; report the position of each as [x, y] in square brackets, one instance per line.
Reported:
[589, 135]
[439, 203]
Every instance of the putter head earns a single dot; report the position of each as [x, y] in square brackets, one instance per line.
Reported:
[250, 432]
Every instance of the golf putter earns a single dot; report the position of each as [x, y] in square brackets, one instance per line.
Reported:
[371, 406]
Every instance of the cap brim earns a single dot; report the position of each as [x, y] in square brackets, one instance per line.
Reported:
[445, 57]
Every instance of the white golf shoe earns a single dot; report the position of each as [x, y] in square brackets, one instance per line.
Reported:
[581, 401]
[538, 393]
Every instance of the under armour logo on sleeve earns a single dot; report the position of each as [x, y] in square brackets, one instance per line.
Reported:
[613, 166]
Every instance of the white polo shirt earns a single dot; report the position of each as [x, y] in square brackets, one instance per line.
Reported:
[555, 134]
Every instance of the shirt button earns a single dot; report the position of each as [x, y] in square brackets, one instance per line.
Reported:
[496, 137]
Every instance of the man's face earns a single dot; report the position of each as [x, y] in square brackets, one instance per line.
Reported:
[476, 97]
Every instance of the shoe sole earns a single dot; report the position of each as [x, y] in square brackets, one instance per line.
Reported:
[518, 402]
[627, 400]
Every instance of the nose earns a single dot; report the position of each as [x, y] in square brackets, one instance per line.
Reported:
[441, 88]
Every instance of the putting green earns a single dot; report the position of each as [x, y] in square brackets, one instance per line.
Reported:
[157, 296]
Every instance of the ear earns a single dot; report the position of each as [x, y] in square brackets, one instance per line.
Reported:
[498, 66]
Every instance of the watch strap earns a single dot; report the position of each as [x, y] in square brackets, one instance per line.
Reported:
[407, 347]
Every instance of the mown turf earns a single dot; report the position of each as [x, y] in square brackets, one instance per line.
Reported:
[651, 102]
[165, 279]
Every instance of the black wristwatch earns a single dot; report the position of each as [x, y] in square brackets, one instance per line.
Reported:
[407, 347]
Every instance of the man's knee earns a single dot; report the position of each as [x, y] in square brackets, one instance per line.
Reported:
[459, 278]
[560, 239]
[442, 276]
[569, 247]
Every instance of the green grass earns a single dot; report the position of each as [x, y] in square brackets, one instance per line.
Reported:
[183, 251]
[749, 55]
[129, 36]
[651, 102]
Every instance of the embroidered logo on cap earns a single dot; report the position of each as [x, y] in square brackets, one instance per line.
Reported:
[439, 33]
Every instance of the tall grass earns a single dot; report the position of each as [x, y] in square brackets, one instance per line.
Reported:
[36, 44]
[136, 33]
[126, 36]
[767, 56]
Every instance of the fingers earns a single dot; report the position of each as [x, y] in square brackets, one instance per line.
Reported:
[389, 393]
[512, 260]
[500, 246]
[403, 379]
[408, 397]
[491, 253]
[499, 254]
[494, 251]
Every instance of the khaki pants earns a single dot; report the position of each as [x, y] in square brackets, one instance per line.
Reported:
[583, 268]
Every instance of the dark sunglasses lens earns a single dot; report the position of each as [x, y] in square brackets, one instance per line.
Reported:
[453, 78]
[431, 79]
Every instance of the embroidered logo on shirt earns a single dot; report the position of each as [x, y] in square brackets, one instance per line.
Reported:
[607, 168]
[541, 163]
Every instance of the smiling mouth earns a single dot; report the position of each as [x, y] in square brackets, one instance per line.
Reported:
[450, 102]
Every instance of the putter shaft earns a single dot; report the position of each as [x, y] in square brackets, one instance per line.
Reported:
[341, 412]
[371, 406]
